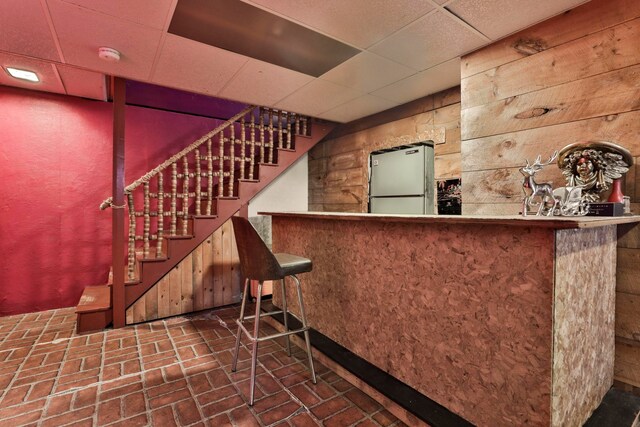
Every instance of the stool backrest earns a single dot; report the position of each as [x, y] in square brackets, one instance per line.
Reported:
[256, 260]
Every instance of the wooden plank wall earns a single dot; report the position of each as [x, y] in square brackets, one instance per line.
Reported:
[575, 77]
[338, 171]
[208, 277]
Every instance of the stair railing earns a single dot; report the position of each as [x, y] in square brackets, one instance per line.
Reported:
[206, 170]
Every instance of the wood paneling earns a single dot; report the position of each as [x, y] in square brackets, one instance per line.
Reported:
[610, 49]
[511, 149]
[338, 167]
[627, 365]
[348, 160]
[345, 178]
[573, 24]
[608, 93]
[208, 277]
[573, 78]
[628, 316]
[503, 185]
[447, 166]
[629, 236]
[451, 144]
[627, 271]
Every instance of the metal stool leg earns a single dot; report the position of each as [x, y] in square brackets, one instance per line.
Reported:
[306, 332]
[254, 350]
[286, 315]
[242, 306]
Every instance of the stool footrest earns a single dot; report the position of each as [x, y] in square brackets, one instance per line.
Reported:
[269, 337]
[271, 313]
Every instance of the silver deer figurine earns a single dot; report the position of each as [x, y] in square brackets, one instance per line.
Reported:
[533, 190]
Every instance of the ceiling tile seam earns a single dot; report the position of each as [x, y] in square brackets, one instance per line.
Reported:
[236, 74]
[408, 77]
[52, 28]
[119, 18]
[156, 57]
[371, 91]
[351, 100]
[373, 46]
[360, 93]
[294, 92]
[307, 26]
[163, 38]
[56, 72]
[392, 60]
[468, 25]
[375, 54]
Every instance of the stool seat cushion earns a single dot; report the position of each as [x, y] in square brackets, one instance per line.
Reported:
[292, 264]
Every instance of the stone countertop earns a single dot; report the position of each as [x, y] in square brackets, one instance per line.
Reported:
[556, 222]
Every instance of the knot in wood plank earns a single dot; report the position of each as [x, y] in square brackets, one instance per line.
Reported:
[534, 112]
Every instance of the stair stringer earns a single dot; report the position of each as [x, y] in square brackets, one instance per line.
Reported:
[151, 271]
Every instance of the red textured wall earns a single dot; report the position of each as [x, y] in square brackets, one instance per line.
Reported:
[55, 164]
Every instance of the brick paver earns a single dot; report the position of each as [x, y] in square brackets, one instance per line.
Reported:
[168, 372]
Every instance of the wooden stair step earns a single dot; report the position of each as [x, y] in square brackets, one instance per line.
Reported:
[94, 310]
[94, 298]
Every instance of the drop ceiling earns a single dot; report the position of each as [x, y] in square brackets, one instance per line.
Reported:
[404, 49]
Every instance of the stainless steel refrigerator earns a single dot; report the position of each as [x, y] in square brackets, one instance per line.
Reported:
[401, 180]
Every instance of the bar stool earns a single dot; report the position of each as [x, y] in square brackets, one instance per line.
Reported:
[259, 263]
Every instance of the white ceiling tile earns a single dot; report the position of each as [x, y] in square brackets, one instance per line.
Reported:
[137, 11]
[49, 81]
[83, 83]
[431, 40]
[24, 29]
[316, 97]
[430, 81]
[81, 32]
[186, 64]
[262, 83]
[498, 18]
[358, 72]
[356, 108]
[357, 22]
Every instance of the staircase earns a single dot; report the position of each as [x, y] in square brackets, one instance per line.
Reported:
[173, 208]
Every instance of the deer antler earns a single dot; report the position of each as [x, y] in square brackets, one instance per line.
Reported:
[538, 163]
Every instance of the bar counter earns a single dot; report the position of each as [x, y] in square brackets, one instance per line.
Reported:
[503, 320]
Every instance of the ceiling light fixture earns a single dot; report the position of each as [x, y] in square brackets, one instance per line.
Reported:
[109, 54]
[23, 74]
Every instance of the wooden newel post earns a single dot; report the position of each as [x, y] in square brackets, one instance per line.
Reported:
[117, 245]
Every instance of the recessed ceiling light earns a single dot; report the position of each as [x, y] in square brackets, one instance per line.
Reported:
[23, 74]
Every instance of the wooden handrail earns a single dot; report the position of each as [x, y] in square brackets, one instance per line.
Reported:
[153, 172]
[193, 174]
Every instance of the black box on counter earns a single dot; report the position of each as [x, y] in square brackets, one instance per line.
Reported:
[606, 209]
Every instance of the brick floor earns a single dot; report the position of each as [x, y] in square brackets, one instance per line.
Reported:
[168, 372]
